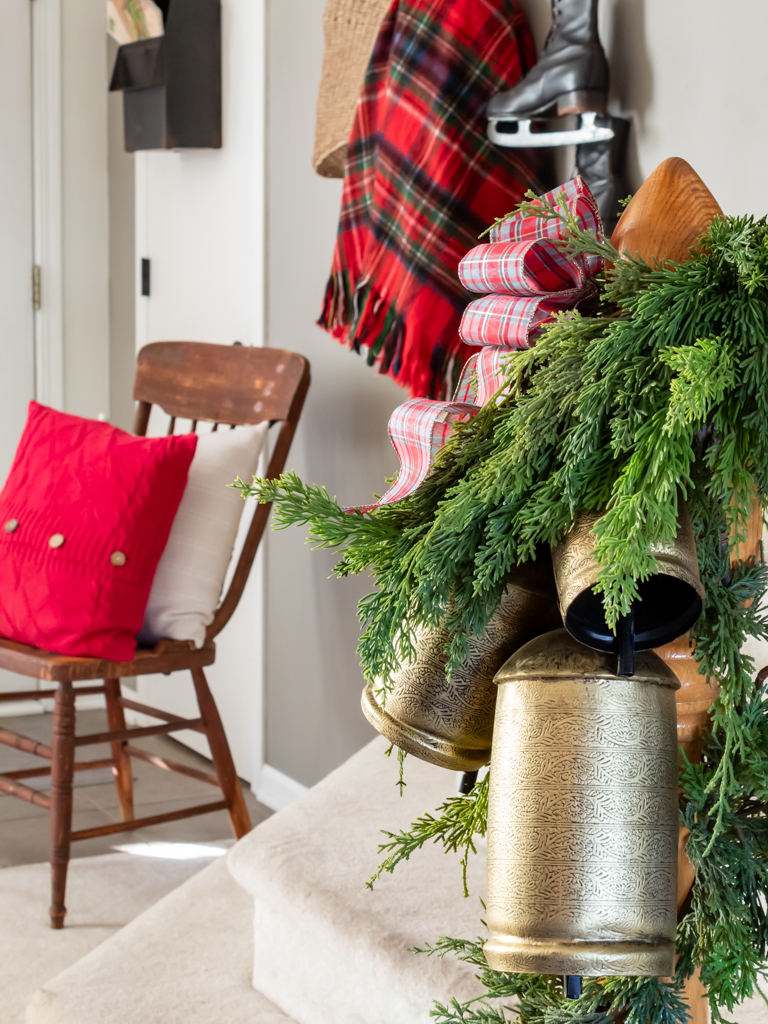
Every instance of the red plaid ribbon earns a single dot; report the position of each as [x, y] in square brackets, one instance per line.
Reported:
[418, 430]
[534, 267]
[509, 321]
[482, 376]
[579, 203]
[537, 279]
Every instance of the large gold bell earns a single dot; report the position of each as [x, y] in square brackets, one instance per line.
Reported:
[669, 602]
[449, 720]
[582, 814]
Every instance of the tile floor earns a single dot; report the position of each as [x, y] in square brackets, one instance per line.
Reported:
[24, 827]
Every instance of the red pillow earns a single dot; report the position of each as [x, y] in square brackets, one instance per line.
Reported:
[84, 516]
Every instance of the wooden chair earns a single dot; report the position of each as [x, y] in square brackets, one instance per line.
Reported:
[200, 382]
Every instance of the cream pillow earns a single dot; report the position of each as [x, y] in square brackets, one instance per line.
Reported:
[190, 575]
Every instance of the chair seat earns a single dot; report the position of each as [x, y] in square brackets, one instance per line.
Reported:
[166, 656]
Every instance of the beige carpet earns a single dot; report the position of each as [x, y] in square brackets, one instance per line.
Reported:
[187, 960]
[103, 894]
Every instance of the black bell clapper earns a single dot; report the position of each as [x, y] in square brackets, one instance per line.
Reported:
[668, 603]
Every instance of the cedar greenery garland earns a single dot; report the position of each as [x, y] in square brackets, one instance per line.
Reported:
[661, 395]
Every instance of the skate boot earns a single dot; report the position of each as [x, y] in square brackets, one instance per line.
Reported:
[571, 77]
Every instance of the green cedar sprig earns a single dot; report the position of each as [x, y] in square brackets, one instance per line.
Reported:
[455, 824]
[606, 412]
[540, 999]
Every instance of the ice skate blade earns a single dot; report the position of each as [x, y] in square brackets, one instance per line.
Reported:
[524, 138]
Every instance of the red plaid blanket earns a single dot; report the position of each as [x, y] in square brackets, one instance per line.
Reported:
[422, 182]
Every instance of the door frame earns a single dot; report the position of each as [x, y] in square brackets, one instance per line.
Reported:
[47, 204]
[47, 229]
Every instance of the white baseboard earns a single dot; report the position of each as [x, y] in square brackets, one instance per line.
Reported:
[276, 790]
[17, 708]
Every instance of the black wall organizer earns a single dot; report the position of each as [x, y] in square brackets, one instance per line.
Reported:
[171, 85]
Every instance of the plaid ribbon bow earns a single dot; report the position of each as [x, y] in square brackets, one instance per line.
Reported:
[531, 278]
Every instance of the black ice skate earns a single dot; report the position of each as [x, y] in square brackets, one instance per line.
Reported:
[571, 77]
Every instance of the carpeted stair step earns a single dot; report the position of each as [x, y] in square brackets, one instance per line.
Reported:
[327, 950]
[320, 948]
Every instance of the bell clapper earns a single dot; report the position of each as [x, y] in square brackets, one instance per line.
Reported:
[572, 986]
[626, 643]
[467, 783]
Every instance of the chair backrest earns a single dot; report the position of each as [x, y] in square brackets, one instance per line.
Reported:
[225, 385]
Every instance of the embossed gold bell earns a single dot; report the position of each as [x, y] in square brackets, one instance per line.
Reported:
[669, 602]
[582, 814]
[449, 720]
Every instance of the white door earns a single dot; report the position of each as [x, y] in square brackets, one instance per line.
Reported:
[199, 220]
[17, 362]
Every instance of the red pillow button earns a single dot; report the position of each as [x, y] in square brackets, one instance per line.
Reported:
[56, 540]
[11, 525]
[117, 558]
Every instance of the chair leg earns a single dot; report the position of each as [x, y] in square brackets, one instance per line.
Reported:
[222, 758]
[122, 770]
[62, 770]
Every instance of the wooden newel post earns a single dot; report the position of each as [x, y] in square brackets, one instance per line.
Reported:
[666, 217]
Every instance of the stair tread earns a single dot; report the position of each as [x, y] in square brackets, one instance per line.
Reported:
[306, 868]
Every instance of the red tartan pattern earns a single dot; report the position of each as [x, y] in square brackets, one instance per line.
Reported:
[508, 321]
[535, 267]
[423, 182]
[488, 366]
[579, 202]
[465, 393]
[419, 428]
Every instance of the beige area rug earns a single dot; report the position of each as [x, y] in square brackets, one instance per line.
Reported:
[103, 894]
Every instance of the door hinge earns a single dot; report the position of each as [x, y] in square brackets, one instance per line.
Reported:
[145, 277]
[36, 287]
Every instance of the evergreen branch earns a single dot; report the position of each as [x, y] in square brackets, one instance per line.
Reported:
[540, 999]
[659, 397]
[458, 821]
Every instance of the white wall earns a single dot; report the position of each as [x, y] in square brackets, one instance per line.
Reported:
[199, 219]
[17, 378]
[122, 261]
[313, 680]
[71, 232]
[692, 75]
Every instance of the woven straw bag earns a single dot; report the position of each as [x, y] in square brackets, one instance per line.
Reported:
[350, 28]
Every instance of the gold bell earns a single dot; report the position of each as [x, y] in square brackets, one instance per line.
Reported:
[669, 602]
[449, 721]
[582, 814]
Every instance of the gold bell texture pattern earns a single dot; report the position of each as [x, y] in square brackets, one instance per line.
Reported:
[669, 603]
[583, 814]
[448, 721]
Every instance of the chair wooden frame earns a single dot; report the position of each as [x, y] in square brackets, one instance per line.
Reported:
[188, 380]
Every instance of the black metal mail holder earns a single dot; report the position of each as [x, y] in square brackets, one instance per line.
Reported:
[171, 85]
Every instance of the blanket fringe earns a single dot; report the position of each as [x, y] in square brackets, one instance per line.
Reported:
[362, 318]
